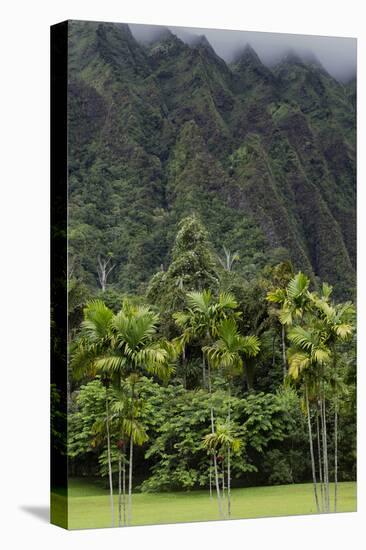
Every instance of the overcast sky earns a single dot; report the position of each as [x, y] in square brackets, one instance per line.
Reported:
[337, 55]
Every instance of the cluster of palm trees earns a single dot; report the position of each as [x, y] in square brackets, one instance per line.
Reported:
[316, 329]
[119, 348]
[212, 323]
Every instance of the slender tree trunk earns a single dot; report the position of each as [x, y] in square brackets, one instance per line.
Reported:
[335, 455]
[217, 483]
[284, 351]
[130, 482]
[124, 484]
[311, 449]
[228, 483]
[130, 466]
[109, 457]
[214, 451]
[273, 350]
[326, 457]
[204, 371]
[119, 490]
[335, 435]
[228, 455]
[325, 452]
[210, 476]
[320, 460]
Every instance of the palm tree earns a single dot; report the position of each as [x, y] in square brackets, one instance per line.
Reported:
[229, 258]
[338, 325]
[224, 441]
[202, 316]
[307, 358]
[135, 350]
[199, 322]
[227, 353]
[127, 410]
[293, 301]
[94, 342]
[315, 328]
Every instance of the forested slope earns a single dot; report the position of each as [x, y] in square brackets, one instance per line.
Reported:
[266, 158]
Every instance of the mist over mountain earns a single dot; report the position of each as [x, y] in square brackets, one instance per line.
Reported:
[160, 127]
[338, 55]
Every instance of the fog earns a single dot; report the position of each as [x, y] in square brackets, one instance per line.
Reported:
[336, 54]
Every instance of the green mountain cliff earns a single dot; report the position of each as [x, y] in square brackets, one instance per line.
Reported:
[265, 157]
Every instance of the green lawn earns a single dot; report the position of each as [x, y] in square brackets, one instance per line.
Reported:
[89, 504]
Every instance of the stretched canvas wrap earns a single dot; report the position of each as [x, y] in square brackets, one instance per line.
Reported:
[203, 274]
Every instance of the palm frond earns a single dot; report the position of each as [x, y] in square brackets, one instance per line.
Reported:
[298, 285]
[199, 301]
[278, 296]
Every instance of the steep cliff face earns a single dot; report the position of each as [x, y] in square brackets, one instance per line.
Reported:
[266, 157]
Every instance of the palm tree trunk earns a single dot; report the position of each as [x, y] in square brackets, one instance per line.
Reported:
[203, 371]
[228, 483]
[228, 454]
[284, 351]
[124, 484]
[217, 483]
[335, 435]
[130, 482]
[335, 455]
[326, 457]
[210, 477]
[109, 457]
[119, 490]
[325, 452]
[320, 460]
[311, 448]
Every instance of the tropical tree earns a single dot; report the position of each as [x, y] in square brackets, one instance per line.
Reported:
[229, 259]
[338, 325]
[93, 343]
[293, 301]
[307, 358]
[193, 268]
[227, 352]
[223, 442]
[135, 350]
[199, 322]
[126, 409]
[314, 358]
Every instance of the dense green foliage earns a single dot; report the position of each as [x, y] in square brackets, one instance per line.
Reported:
[207, 205]
[266, 158]
[240, 336]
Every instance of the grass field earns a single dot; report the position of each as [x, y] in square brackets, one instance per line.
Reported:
[89, 504]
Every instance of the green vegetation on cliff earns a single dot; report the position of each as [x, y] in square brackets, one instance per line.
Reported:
[158, 132]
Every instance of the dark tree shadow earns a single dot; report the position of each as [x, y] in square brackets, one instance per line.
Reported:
[40, 512]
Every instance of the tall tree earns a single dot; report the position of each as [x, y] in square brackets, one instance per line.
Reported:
[200, 322]
[293, 300]
[192, 268]
[227, 352]
[94, 342]
[314, 357]
[136, 350]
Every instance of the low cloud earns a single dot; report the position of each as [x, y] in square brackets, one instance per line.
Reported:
[337, 54]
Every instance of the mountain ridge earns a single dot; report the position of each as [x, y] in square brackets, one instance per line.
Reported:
[281, 142]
